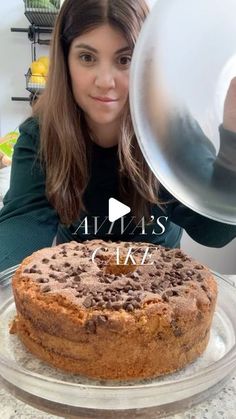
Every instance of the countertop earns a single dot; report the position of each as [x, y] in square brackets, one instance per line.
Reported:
[221, 406]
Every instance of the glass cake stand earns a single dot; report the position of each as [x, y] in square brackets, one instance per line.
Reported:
[50, 390]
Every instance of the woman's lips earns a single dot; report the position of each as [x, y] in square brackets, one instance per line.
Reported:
[104, 99]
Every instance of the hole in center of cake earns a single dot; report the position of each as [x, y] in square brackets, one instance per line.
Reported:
[112, 267]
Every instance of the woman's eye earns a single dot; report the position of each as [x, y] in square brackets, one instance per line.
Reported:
[87, 58]
[125, 60]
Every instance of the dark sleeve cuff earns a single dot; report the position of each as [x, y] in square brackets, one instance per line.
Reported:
[203, 230]
[21, 236]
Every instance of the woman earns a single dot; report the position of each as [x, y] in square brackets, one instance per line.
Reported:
[79, 148]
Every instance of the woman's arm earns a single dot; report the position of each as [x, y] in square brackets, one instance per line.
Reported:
[219, 171]
[27, 220]
[224, 173]
[200, 228]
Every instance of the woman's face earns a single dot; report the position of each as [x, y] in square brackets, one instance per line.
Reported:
[99, 63]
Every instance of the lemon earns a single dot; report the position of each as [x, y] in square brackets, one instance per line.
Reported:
[45, 73]
[37, 79]
[45, 60]
[37, 67]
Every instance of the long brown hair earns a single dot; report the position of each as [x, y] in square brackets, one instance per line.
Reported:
[64, 137]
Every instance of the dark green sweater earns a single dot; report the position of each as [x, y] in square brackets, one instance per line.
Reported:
[28, 222]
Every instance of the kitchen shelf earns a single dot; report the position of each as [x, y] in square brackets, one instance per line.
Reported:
[34, 35]
[20, 99]
[41, 16]
[32, 97]
[36, 86]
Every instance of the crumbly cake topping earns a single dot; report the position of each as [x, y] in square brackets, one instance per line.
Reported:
[68, 269]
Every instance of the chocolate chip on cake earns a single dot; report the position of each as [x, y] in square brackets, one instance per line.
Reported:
[42, 280]
[76, 278]
[87, 302]
[128, 307]
[189, 273]
[116, 306]
[101, 320]
[167, 258]
[46, 288]
[67, 264]
[179, 254]
[61, 279]
[38, 271]
[90, 326]
[159, 266]
[199, 267]
[176, 329]
[178, 265]
[52, 276]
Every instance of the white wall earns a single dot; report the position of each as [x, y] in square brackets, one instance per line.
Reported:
[151, 2]
[15, 58]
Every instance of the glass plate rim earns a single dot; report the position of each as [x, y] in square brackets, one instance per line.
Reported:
[211, 369]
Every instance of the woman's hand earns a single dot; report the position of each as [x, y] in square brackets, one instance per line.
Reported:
[229, 120]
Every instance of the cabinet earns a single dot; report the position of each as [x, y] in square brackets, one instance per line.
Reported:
[41, 20]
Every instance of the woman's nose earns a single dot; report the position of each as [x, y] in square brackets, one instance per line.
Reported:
[105, 78]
